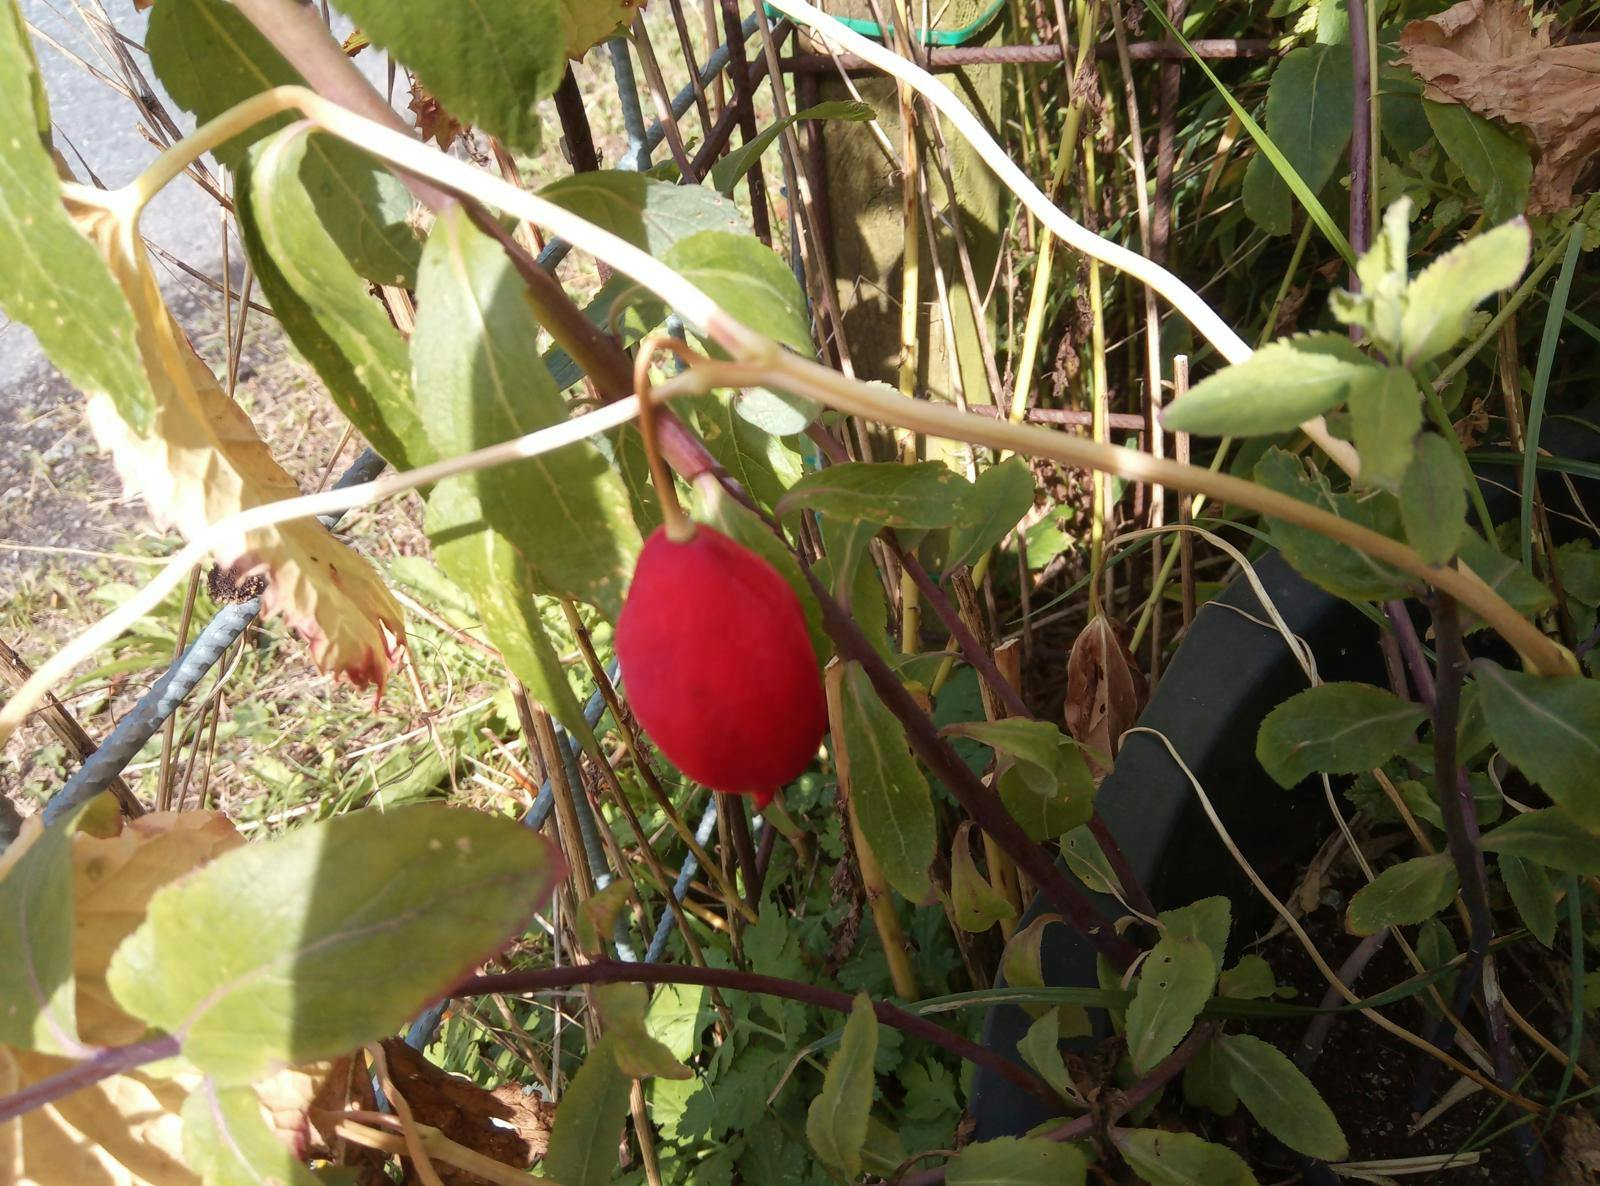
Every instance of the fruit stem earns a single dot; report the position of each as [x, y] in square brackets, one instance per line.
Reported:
[680, 528]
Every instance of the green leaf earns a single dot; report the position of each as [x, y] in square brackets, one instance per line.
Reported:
[1495, 163]
[1165, 1158]
[749, 280]
[650, 214]
[836, 1123]
[1206, 1085]
[494, 573]
[1433, 499]
[759, 461]
[588, 1125]
[1579, 566]
[1436, 947]
[1174, 984]
[1519, 587]
[725, 174]
[1533, 893]
[639, 1056]
[1337, 567]
[1277, 388]
[1309, 109]
[1404, 894]
[1449, 288]
[1041, 1049]
[475, 353]
[227, 1142]
[586, 23]
[1405, 125]
[1021, 966]
[489, 62]
[54, 281]
[676, 1017]
[888, 791]
[1043, 780]
[1379, 302]
[974, 902]
[1016, 1161]
[925, 495]
[1088, 862]
[1000, 497]
[1208, 920]
[1338, 728]
[1281, 1098]
[324, 306]
[1548, 837]
[1549, 728]
[38, 995]
[266, 955]
[210, 58]
[1385, 417]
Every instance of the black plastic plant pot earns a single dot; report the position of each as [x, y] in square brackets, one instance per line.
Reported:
[1230, 671]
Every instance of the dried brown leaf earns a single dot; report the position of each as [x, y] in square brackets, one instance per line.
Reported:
[433, 121]
[1579, 1164]
[1488, 56]
[1105, 689]
[460, 1109]
[201, 461]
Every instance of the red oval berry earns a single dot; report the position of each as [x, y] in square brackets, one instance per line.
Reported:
[718, 666]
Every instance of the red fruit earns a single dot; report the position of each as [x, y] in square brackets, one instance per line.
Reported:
[718, 666]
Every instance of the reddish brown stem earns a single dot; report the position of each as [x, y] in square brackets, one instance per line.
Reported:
[612, 972]
[976, 800]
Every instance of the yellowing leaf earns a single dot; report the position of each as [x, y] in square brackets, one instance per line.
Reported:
[587, 24]
[128, 1130]
[113, 880]
[201, 461]
[122, 1131]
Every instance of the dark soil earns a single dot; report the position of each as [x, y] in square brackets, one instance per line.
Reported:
[1367, 1077]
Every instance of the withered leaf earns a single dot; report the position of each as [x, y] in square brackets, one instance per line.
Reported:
[201, 460]
[1105, 690]
[433, 121]
[1487, 56]
[460, 1109]
[126, 1130]
[113, 880]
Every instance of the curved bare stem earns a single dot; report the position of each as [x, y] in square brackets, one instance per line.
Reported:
[762, 362]
[794, 374]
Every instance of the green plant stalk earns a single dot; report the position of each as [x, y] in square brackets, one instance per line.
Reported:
[802, 377]
[1541, 387]
[1033, 328]
[880, 898]
[1314, 207]
[1100, 494]
[1197, 504]
[1434, 405]
[1575, 1041]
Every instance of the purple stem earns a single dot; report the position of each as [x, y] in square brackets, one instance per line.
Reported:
[1405, 633]
[976, 800]
[103, 1064]
[1360, 136]
[612, 972]
[1305, 1056]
